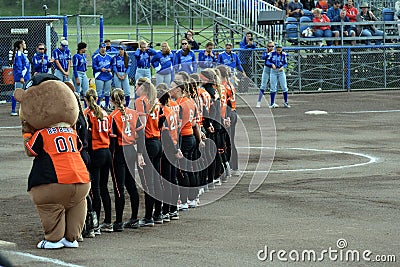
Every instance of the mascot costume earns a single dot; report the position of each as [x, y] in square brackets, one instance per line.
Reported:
[59, 181]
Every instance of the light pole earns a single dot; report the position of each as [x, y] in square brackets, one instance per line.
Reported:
[59, 8]
[23, 8]
[130, 13]
[94, 11]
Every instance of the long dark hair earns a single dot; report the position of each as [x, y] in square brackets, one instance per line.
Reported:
[17, 45]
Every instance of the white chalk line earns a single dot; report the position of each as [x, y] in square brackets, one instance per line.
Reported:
[10, 127]
[44, 259]
[371, 159]
[368, 111]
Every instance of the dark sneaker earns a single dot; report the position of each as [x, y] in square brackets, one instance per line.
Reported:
[132, 224]
[107, 227]
[146, 222]
[166, 218]
[118, 227]
[174, 215]
[158, 219]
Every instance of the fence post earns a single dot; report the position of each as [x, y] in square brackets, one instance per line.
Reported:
[299, 70]
[348, 68]
[78, 27]
[101, 25]
[65, 28]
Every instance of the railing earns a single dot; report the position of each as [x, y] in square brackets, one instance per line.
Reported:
[242, 13]
[389, 28]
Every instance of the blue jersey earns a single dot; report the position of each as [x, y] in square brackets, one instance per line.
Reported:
[21, 67]
[39, 65]
[231, 60]
[186, 63]
[279, 60]
[118, 64]
[164, 62]
[265, 57]
[63, 57]
[102, 61]
[79, 63]
[143, 58]
[206, 61]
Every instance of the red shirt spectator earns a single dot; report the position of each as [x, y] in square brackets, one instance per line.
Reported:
[351, 11]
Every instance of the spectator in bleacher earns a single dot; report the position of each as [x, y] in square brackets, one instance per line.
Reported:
[308, 4]
[322, 31]
[245, 55]
[295, 9]
[322, 4]
[368, 30]
[351, 11]
[397, 14]
[334, 10]
[282, 4]
[193, 44]
[347, 29]
[207, 58]
[163, 64]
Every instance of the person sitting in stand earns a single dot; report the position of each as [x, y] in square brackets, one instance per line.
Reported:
[334, 10]
[368, 30]
[347, 30]
[322, 4]
[295, 9]
[322, 31]
[193, 44]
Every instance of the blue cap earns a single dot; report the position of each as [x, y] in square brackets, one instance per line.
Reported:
[102, 45]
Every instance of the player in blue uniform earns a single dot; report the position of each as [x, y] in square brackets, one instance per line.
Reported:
[230, 59]
[40, 60]
[142, 56]
[121, 65]
[62, 61]
[21, 70]
[185, 59]
[162, 63]
[79, 65]
[207, 58]
[278, 61]
[266, 72]
[101, 65]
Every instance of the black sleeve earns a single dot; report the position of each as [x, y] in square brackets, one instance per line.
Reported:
[140, 137]
[82, 131]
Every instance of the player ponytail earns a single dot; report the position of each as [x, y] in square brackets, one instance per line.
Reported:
[118, 96]
[151, 94]
[17, 46]
[163, 94]
[91, 97]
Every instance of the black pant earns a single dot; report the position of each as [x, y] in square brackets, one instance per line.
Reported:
[99, 171]
[231, 151]
[186, 177]
[171, 190]
[123, 172]
[150, 177]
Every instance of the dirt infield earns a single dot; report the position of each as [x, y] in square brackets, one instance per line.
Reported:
[333, 185]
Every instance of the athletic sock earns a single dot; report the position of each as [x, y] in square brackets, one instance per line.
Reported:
[285, 97]
[107, 100]
[13, 104]
[272, 97]
[127, 100]
[260, 95]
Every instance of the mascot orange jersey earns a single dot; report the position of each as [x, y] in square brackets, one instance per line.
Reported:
[99, 130]
[57, 157]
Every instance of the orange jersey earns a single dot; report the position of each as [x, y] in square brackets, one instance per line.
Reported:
[124, 127]
[143, 108]
[187, 115]
[231, 94]
[57, 157]
[171, 123]
[98, 129]
[223, 101]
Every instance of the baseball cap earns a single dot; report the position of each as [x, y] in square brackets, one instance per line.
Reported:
[120, 47]
[278, 46]
[64, 42]
[102, 45]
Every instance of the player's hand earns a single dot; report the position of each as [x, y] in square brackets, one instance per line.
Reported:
[141, 162]
[77, 81]
[179, 154]
[202, 144]
[203, 136]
